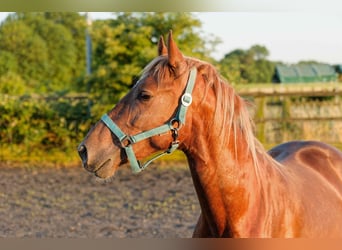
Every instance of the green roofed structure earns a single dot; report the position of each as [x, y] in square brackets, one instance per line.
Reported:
[302, 73]
[338, 68]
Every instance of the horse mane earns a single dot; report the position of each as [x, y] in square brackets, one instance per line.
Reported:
[236, 121]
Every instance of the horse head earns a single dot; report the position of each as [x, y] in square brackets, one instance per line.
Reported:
[150, 118]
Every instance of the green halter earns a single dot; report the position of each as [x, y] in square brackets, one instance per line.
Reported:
[127, 141]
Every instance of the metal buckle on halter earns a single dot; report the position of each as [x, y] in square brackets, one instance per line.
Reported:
[175, 143]
[175, 123]
[126, 141]
[186, 99]
[174, 132]
[173, 146]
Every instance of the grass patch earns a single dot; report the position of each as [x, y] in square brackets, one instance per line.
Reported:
[19, 154]
[32, 156]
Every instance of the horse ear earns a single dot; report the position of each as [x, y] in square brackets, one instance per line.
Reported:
[175, 56]
[162, 50]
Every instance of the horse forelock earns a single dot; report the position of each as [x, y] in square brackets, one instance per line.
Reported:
[157, 68]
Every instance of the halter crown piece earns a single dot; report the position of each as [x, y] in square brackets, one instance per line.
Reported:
[127, 141]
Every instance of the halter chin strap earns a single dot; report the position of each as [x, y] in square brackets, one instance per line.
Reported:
[173, 125]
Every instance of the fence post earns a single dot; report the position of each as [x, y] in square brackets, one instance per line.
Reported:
[286, 116]
[88, 58]
[260, 118]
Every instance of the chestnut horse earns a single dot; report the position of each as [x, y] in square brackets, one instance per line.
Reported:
[294, 190]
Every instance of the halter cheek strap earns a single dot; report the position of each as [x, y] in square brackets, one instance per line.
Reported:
[127, 141]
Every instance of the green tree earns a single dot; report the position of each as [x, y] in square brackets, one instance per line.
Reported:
[259, 52]
[260, 70]
[61, 52]
[248, 66]
[185, 28]
[48, 48]
[232, 66]
[12, 84]
[76, 24]
[29, 49]
[8, 62]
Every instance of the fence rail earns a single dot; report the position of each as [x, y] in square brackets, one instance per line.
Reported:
[296, 111]
[299, 119]
[75, 96]
[312, 89]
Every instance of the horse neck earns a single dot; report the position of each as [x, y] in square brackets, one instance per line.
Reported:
[228, 184]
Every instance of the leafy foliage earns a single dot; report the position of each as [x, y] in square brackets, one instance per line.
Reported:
[39, 123]
[248, 66]
[42, 50]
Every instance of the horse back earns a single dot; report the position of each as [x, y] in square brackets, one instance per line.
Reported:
[324, 159]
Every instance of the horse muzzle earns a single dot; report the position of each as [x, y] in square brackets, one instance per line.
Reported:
[101, 167]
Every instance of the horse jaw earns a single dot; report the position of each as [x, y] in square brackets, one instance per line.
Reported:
[106, 170]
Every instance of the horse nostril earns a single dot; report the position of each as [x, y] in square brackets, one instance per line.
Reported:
[82, 151]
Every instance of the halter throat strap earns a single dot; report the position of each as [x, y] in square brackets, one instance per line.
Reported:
[127, 141]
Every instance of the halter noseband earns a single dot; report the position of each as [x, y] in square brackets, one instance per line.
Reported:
[127, 141]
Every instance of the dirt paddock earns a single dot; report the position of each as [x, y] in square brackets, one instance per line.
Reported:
[49, 202]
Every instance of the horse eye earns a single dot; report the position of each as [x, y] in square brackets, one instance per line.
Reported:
[144, 96]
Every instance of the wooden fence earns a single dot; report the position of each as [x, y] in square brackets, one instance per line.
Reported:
[296, 111]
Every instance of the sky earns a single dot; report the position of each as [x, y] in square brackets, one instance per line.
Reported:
[289, 35]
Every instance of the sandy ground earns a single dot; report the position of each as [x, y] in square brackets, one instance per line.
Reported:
[50, 202]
